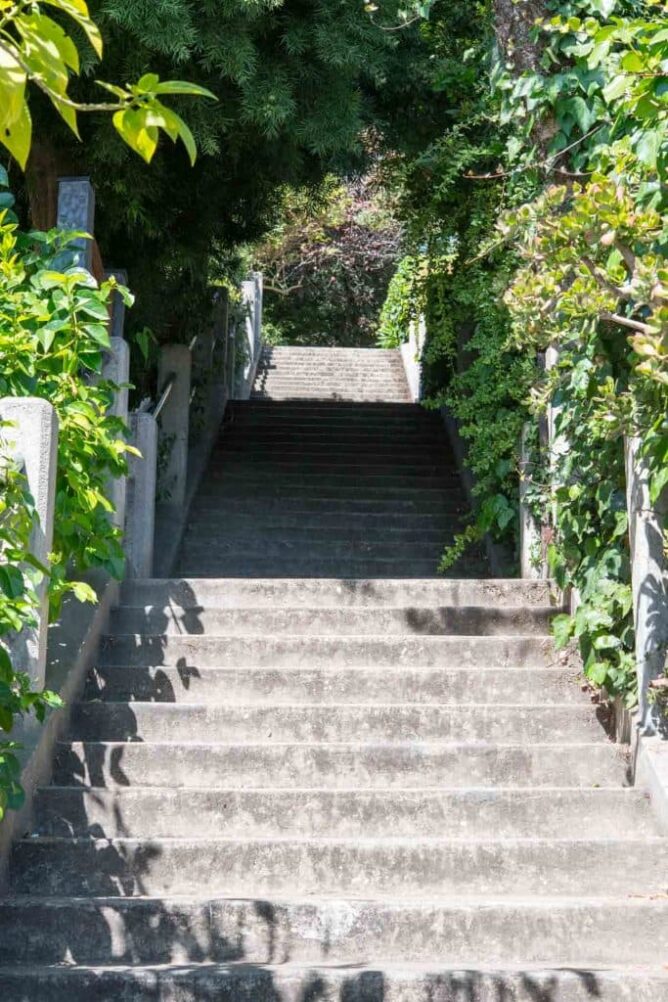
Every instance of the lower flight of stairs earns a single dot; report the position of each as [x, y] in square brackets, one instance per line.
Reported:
[336, 791]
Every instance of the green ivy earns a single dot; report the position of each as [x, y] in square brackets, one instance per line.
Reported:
[53, 336]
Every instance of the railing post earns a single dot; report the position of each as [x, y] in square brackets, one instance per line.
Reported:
[141, 493]
[532, 564]
[649, 583]
[117, 325]
[175, 361]
[116, 368]
[34, 439]
[76, 211]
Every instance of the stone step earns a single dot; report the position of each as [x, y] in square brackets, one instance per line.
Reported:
[333, 722]
[199, 541]
[211, 651]
[374, 415]
[408, 868]
[350, 567]
[295, 686]
[320, 441]
[362, 395]
[234, 464]
[253, 477]
[320, 383]
[421, 593]
[333, 455]
[586, 932]
[345, 490]
[239, 982]
[215, 503]
[341, 620]
[362, 526]
[508, 813]
[230, 533]
[381, 766]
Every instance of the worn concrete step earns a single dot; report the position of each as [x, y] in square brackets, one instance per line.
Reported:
[361, 526]
[409, 868]
[239, 982]
[311, 593]
[293, 421]
[320, 384]
[223, 650]
[344, 444]
[200, 542]
[340, 620]
[333, 722]
[217, 505]
[586, 932]
[334, 457]
[350, 490]
[362, 395]
[313, 412]
[295, 686]
[350, 567]
[253, 476]
[304, 531]
[381, 766]
[231, 464]
[508, 813]
[296, 434]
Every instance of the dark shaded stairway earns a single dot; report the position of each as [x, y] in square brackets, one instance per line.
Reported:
[308, 487]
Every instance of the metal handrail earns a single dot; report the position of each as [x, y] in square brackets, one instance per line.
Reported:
[164, 396]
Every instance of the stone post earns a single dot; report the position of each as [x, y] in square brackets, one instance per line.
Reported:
[140, 508]
[116, 368]
[34, 441]
[175, 362]
[117, 326]
[532, 564]
[76, 211]
[257, 313]
[249, 297]
[649, 578]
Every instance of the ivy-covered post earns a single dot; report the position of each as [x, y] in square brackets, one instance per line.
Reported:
[141, 495]
[76, 211]
[532, 563]
[649, 580]
[34, 441]
[117, 326]
[174, 371]
[116, 368]
[252, 296]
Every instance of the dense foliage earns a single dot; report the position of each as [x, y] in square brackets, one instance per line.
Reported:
[327, 264]
[53, 333]
[546, 196]
[296, 85]
[37, 50]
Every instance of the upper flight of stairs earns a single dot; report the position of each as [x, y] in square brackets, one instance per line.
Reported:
[345, 781]
[328, 482]
[353, 374]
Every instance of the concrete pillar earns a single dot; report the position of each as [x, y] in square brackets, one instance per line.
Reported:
[649, 578]
[76, 211]
[248, 296]
[116, 368]
[117, 326]
[34, 441]
[411, 356]
[175, 361]
[140, 506]
[257, 313]
[532, 563]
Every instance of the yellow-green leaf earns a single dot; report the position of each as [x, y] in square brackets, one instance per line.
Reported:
[132, 127]
[12, 86]
[17, 136]
[78, 10]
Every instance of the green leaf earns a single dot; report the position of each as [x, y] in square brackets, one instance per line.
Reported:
[183, 87]
[78, 11]
[17, 136]
[562, 629]
[132, 127]
[12, 88]
[648, 147]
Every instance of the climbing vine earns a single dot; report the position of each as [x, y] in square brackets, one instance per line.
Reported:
[53, 335]
[557, 221]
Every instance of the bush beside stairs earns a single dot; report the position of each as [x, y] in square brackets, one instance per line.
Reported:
[307, 769]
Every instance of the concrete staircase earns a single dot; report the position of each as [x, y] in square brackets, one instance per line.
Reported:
[314, 477]
[354, 374]
[329, 789]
